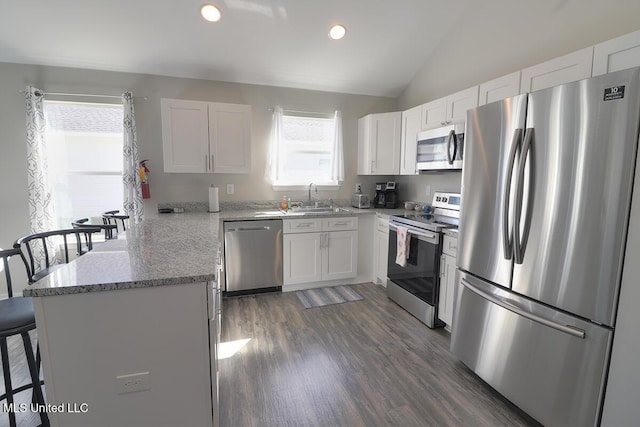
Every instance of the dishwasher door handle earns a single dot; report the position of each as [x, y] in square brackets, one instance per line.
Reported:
[265, 228]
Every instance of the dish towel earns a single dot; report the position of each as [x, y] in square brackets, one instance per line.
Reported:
[402, 246]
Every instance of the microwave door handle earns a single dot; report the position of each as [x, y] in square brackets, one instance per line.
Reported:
[449, 139]
[520, 242]
[455, 147]
[507, 236]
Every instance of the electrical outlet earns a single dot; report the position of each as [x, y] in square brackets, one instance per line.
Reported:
[428, 191]
[230, 189]
[133, 382]
[358, 188]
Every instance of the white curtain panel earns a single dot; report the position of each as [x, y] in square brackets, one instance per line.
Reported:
[41, 206]
[337, 164]
[272, 169]
[133, 204]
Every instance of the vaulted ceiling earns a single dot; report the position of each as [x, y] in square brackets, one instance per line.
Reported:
[267, 42]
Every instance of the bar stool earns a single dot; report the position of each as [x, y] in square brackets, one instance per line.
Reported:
[112, 217]
[110, 230]
[41, 261]
[17, 318]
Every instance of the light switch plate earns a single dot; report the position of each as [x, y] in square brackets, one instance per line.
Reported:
[230, 189]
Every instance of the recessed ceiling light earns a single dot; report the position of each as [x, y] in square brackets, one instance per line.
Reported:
[210, 13]
[337, 32]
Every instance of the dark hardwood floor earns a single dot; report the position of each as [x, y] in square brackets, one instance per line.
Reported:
[364, 363]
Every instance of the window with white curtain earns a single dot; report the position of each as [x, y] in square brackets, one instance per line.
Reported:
[305, 148]
[84, 155]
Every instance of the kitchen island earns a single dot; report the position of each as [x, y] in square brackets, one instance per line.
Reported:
[128, 331]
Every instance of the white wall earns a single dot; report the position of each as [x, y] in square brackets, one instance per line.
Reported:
[14, 215]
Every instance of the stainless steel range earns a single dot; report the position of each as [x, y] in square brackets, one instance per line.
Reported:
[413, 278]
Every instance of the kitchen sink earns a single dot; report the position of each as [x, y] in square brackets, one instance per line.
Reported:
[304, 210]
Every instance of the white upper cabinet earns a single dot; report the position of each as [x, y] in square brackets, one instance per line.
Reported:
[434, 113]
[617, 54]
[500, 88]
[379, 144]
[206, 137]
[564, 69]
[230, 138]
[411, 125]
[450, 109]
[185, 136]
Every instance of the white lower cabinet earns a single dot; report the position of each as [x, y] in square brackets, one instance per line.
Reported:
[448, 280]
[381, 249]
[318, 256]
[302, 258]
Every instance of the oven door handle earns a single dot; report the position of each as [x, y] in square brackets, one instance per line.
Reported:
[423, 235]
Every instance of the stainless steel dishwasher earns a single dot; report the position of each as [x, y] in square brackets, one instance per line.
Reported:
[253, 255]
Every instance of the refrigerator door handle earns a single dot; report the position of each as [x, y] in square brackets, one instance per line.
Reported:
[520, 242]
[507, 237]
[567, 329]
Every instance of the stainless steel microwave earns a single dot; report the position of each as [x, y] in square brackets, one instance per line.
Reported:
[441, 148]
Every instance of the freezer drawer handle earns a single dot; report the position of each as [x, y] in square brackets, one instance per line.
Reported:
[571, 330]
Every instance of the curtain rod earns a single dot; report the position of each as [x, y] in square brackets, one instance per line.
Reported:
[303, 112]
[85, 95]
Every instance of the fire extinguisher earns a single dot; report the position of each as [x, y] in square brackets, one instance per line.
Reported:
[144, 177]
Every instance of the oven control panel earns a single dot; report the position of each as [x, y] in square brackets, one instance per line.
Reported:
[446, 200]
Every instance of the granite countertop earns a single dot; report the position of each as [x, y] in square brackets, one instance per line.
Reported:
[165, 249]
[162, 250]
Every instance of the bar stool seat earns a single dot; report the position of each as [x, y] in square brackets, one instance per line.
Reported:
[16, 312]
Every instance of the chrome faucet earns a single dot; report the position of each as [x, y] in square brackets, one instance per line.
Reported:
[316, 187]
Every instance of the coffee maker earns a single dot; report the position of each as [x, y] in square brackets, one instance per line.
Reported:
[391, 195]
[379, 201]
[386, 195]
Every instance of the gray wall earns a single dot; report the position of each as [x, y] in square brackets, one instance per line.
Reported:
[165, 187]
[494, 38]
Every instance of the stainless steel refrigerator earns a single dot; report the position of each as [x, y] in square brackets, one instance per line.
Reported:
[546, 194]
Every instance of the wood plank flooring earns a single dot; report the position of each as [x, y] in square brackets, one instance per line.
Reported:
[364, 363]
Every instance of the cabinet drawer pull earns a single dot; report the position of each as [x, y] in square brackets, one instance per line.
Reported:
[304, 225]
[341, 224]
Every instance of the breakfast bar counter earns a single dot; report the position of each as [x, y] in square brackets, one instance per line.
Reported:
[162, 250]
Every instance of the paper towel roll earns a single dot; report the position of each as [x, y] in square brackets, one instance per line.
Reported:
[214, 204]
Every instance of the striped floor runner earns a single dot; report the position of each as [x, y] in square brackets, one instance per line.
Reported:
[327, 296]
